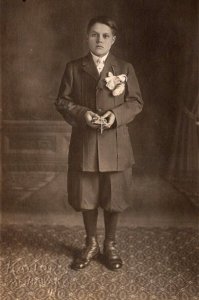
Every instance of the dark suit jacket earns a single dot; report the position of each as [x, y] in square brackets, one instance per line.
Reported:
[82, 89]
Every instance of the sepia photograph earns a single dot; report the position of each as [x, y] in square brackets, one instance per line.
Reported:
[99, 117]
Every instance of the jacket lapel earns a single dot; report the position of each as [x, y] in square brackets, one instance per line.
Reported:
[89, 67]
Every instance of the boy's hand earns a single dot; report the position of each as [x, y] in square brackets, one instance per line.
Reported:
[110, 117]
[89, 115]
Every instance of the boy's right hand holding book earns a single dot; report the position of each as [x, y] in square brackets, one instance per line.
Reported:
[90, 116]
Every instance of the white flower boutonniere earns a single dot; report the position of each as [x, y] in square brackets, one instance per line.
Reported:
[116, 83]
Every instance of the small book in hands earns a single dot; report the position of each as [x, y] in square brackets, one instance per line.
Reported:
[99, 121]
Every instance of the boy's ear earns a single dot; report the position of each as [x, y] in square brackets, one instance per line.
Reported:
[114, 39]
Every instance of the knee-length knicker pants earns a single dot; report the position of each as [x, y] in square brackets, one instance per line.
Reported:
[108, 190]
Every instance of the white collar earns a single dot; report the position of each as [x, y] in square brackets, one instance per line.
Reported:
[95, 57]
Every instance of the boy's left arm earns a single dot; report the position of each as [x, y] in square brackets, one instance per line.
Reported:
[126, 112]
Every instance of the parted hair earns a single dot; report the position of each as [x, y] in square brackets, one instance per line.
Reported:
[103, 20]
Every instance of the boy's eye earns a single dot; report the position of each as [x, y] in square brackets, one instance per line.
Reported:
[106, 36]
[93, 34]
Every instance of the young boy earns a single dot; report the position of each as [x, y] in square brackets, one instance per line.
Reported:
[99, 95]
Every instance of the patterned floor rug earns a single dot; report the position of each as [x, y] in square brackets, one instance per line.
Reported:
[160, 264]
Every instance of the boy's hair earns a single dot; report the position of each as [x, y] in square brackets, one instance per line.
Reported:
[103, 20]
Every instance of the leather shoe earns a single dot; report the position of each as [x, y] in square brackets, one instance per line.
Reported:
[91, 251]
[112, 259]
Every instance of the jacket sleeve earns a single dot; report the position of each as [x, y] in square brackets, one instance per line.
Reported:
[65, 104]
[133, 103]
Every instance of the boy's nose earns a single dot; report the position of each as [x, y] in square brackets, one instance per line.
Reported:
[99, 39]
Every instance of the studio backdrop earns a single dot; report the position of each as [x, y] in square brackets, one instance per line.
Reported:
[39, 37]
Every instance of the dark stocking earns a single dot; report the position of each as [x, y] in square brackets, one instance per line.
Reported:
[110, 221]
[90, 222]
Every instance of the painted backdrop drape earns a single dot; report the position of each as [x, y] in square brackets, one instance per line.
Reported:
[184, 162]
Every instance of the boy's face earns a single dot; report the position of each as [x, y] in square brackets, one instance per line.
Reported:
[100, 39]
